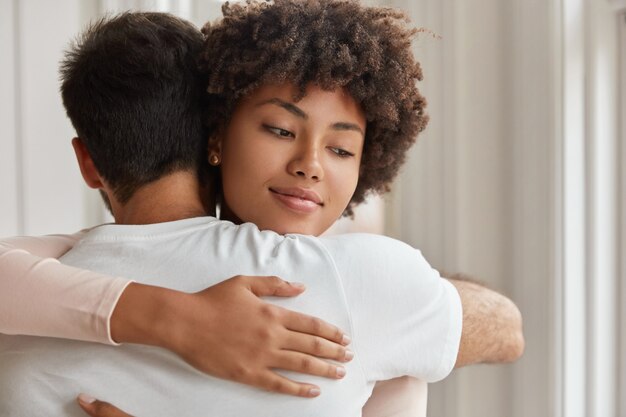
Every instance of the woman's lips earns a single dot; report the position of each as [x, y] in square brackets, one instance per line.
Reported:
[298, 199]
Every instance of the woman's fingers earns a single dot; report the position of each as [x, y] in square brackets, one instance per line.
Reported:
[273, 286]
[96, 408]
[312, 325]
[317, 346]
[307, 364]
[273, 382]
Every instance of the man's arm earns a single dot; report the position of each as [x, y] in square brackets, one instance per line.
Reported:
[492, 325]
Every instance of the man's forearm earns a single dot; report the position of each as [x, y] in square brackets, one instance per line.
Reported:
[492, 325]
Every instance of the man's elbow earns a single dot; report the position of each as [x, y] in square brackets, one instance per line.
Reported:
[492, 326]
[514, 344]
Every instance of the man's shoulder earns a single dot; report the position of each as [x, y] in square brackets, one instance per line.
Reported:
[362, 257]
[367, 246]
[119, 232]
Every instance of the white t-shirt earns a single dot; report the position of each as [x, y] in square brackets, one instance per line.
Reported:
[402, 317]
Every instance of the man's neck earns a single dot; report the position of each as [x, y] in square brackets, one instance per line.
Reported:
[173, 197]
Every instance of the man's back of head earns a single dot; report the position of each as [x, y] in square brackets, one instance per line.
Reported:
[132, 90]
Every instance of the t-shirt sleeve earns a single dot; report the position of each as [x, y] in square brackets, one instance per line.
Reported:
[41, 297]
[406, 319]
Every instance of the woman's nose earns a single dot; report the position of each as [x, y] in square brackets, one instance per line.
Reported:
[307, 164]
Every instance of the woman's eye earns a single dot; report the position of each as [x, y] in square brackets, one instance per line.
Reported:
[341, 152]
[280, 132]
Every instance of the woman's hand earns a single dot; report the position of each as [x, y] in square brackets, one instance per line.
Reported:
[97, 408]
[227, 331]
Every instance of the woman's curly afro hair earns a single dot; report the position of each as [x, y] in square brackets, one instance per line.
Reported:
[332, 44]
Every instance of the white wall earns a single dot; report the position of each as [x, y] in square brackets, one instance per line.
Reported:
[10, 220]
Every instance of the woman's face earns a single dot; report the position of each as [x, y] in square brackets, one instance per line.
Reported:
[291, 167]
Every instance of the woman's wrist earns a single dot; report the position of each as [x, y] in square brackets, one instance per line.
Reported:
[143, 316]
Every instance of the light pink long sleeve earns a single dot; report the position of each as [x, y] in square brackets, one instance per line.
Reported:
[39, 296]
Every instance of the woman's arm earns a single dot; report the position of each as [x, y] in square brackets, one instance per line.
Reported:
[50, 246]
[226, 330]
[41, 297]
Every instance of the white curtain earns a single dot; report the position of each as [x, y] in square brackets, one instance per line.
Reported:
[515, 182]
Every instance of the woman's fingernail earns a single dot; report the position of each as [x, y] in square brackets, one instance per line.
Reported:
[346, 340]
[314, 392]
[348, 356]
[341, 372]
[86, 399]
[297, 284]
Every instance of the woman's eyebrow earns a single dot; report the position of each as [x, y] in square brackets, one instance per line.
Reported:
[287, 106]
[348, 126]
[292, 108]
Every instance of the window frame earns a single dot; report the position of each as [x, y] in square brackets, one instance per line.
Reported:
[622, 238]
[590, 283]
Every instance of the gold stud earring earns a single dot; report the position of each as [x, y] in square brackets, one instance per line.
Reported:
[214, 159]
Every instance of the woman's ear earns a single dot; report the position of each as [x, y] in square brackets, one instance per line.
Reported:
[215, 150]
[87, 168]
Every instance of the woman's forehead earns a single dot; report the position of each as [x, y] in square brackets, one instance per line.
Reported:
[314, 101]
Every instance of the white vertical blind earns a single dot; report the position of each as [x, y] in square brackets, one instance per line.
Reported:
[572, 288]
[589, 284]
[527, 198]
[10, 168]
[621, 393]
[41, 191]
[51, 189]
[477, 195]
[603, 157]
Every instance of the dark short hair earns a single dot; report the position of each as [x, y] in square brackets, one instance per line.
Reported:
[330, 43]
[132, 89]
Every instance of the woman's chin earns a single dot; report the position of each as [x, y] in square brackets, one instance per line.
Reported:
[286, 227]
